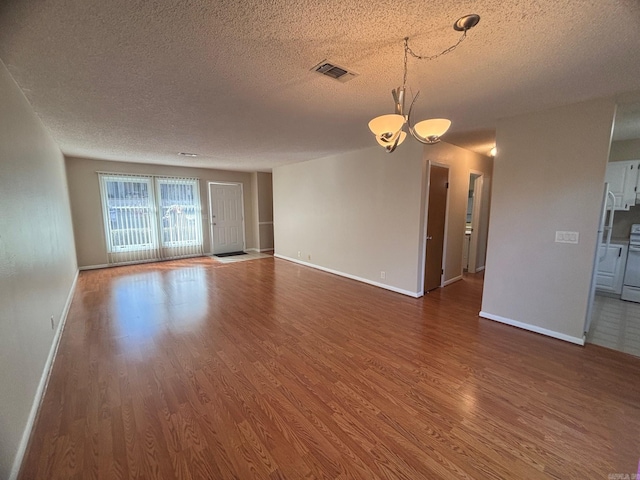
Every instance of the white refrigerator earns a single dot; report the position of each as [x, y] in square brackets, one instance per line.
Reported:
[605, 228]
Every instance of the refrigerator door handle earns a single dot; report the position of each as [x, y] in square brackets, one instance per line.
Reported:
[611, 214]
[608, 228]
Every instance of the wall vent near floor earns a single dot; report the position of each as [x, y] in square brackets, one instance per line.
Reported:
[334, 71]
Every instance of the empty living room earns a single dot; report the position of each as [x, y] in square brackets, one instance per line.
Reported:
[228, 252]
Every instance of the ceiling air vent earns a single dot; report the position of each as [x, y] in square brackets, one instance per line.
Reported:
[334, 71]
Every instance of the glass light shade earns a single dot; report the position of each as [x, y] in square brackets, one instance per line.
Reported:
[434, 127]
[389, 143]
[386, 124]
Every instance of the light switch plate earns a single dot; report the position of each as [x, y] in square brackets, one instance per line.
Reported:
[567, 237]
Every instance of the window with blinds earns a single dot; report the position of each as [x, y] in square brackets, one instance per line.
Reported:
[150, 218]
[179, 204]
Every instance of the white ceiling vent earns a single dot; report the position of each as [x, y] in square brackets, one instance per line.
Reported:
[334, 71]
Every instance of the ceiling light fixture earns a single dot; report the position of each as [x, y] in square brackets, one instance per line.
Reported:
[187, 154]
[388, 129]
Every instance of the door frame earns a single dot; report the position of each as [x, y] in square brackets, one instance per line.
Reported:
[211, 235]
[475, 219]
[423, 240]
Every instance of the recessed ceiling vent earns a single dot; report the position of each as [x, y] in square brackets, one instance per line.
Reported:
[334, 71]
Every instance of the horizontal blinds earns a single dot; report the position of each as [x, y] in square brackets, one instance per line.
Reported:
[150, 218]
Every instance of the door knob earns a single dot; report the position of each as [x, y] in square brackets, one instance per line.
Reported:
[429, 238]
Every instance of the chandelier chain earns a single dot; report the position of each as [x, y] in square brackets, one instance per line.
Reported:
[408, 51]
[433, 57]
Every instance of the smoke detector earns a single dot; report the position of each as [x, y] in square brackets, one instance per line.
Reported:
[334, 71]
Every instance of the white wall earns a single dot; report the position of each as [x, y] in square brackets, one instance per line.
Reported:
[37, 261]
[548, 176]
[362, 212]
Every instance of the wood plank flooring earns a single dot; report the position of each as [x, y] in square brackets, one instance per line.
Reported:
[271, 370]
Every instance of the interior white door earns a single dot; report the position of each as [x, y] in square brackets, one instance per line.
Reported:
[226, 217]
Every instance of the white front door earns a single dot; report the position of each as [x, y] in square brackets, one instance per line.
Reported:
[226, 217]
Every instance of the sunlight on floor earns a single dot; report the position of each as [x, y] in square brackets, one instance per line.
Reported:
[242, 258]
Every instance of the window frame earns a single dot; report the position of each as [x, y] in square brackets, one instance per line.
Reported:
[195, 184]
[106, 213]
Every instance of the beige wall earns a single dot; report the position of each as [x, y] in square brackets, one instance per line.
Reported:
[362, 212]
[548, 176]
[625, 150]
[86, 206]
[37, 261]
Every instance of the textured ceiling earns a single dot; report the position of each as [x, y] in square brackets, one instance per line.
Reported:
[141, 80]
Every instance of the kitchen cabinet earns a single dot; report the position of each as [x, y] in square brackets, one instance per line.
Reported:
[622, 178]
[611, 265]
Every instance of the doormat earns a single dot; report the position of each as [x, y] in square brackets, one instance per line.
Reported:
[230, 254]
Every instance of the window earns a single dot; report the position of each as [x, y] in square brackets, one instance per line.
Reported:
[129, 213]
[150, 218]
[179, 201]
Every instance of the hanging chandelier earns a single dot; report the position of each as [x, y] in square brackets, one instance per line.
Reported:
[389, 129]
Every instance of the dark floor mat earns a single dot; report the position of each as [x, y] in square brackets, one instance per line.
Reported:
[230, 254]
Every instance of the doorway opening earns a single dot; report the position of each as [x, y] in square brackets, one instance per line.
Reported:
[226, 217]
[470, 260]
[613, 308]
[435, 235]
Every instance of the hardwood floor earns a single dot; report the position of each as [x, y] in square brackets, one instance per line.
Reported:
[268, 369]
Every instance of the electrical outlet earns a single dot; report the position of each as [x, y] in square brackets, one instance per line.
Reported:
[299, 254]
[383, 275]
[52, 323]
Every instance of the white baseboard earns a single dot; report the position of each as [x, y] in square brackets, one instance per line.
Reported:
[533, 328]
[141, 262]
[94, 267]
[480, 269]
[42, 386]
[452, 280]
[259, 250]
[352, 277]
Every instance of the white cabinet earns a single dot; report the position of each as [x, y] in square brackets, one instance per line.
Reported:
[611, 264]
[622, 178]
